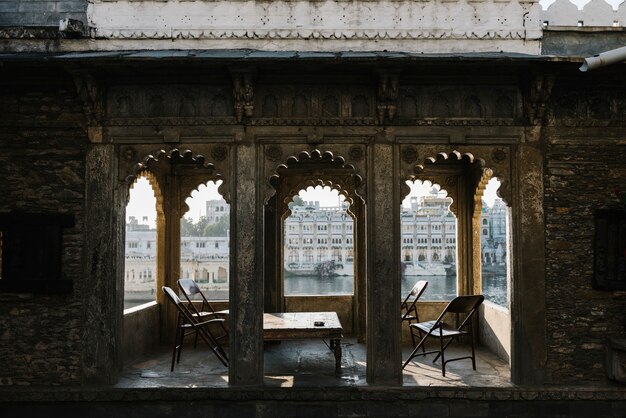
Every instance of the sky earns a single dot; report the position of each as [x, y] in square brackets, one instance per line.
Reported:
[143, 203]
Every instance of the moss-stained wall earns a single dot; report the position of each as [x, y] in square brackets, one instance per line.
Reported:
[42, 170]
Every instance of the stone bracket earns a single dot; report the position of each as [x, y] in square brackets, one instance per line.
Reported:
[91, 93]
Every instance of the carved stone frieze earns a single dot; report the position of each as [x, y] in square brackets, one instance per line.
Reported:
[307, 34]
[323, 105]
[588, 107]
[139, 104]
[462, 105]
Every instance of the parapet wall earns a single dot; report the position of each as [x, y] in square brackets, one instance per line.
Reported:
[594, 13]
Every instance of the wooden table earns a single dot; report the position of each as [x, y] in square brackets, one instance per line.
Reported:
[301, 325]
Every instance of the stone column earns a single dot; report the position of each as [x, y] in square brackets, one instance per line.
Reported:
[102, 288]
[528, 345]
[383, 267]
[246, 281]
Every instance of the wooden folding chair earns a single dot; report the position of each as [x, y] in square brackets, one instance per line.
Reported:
[408, 308]
[439, 329]
[191, 289]
[187, 323]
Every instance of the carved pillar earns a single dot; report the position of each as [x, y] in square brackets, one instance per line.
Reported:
[528, 345]
[171, 252]
[103, 252]
[383, 269]
[246, 284]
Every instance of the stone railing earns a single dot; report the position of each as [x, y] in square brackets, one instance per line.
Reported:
[594, 13]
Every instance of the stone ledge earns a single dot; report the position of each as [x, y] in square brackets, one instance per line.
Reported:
[391, 394]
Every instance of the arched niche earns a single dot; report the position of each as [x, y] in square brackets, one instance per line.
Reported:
[315, 168]
[174, 175]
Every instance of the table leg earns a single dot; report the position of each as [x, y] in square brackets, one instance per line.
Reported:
[335, 345]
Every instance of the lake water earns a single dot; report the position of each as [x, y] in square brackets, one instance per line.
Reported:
[439, 288]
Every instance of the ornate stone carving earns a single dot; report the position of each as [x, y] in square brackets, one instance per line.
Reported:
[498, 155]
[129, 154]
[307, 34]
[409, 154]
[356, 153]
[243, 92]
[540, 90]
[273, 153]
[219, 152]
[387, 95]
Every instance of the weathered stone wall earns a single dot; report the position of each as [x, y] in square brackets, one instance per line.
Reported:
[42, 170]
[41, 12]
[585, 161]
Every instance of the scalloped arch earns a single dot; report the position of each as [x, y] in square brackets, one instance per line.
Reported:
[450, 157]
[480, 191]
[307, 163]
[154, 185]
[189, 194]
[155, 162]
[456, 156]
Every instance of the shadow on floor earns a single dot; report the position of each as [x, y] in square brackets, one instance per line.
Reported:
[309, 363]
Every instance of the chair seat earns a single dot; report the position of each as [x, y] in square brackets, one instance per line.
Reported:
[409, 318]
[447, 330]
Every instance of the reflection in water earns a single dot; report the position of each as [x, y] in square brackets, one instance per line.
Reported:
[494, 287]
[439, 287]
[314, 285]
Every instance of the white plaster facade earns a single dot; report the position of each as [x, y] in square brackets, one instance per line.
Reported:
[422, 26]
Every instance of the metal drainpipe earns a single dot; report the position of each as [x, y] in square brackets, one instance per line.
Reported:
[604, 58]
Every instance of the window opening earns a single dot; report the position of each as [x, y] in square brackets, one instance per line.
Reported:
[140, 256]
[318, 244]
[428, 241]
[493, 243]
[204, 241]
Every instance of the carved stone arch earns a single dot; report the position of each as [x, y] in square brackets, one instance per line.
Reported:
[154, 184]
[336, 174]
[309, 163]
[342, 184]
[480, 191]
[497, 159]
[163, 162]
[447, 179]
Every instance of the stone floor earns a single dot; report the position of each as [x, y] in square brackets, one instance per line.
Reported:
[309, 363]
